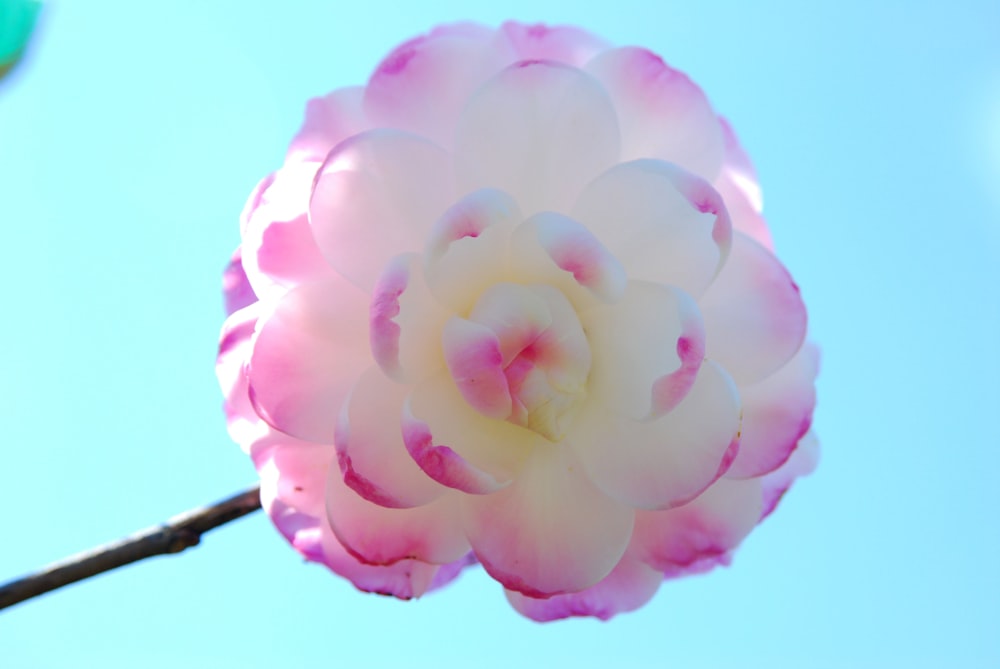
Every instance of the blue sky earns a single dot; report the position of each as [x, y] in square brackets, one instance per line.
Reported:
[129, 140]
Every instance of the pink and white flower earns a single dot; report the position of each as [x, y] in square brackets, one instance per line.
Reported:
[514, 303]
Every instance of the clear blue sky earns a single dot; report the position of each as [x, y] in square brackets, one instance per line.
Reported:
[129, 141]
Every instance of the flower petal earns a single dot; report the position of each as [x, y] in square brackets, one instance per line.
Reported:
[555, 249]
[539, 131]
[406, 322]
[754, 315]
[647, 349]
[306, 356]
[737, 183]
[699, 535]
[242, 421]
[629, 585]
[551, 531]
[377, 535]
[467, 250]
[475, 362]
[777, 412]
[801, 462]
[329, 120]
[662, 113]
[678, 230]
[377, 196]
[563, 44]
[665, 462]
[370, 448]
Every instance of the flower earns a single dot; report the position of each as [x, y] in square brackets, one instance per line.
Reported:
[513, 302]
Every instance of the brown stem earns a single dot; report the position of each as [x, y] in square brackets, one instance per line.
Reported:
[175, 535]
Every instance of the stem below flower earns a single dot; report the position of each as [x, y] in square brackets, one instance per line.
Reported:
[176, 534]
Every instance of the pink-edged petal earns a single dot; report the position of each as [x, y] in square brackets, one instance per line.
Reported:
[467, 250]
[378, 535]
[242, 421]
[405, 322]
[754, 315]
[422, 86]
[442, 463]
[662, 113]
[539, 131]
[475, 362]
[777, 412]
[555, 249]
[278, 247]
[328, 121]
[664, 224]
[563, 44]
[802, 461]
[699, 535]
[629, 585]
[370, 451]
[647, 349]
[495, 447]
[404, 579]
[665, 462]
[376, 196]
[308, 352]
[737, 183]
[551, 531]
[236, 290]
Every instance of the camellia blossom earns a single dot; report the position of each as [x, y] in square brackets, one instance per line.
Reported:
[513, 303]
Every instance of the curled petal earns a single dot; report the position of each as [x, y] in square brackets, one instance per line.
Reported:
[647, 349]
[678, 230]
[442, 463]
[700, 534]
[370, 449]
[539, 131]
[663, 114]
[405, 322]
[777, 412]
[242, 421]
[378, 535]
[737, 183]
[307, 353]
[556, 249]
[668, 461]
[236, 290]
[475, 362]
[467, 249]
[377, 196]
[551, 531]
[630, 584]
[754, 315]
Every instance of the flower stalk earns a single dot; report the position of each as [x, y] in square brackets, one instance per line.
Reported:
[174, 536]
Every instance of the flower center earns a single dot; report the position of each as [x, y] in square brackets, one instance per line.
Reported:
[521, 356]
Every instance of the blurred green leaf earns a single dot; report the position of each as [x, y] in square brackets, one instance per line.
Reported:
[17, 20]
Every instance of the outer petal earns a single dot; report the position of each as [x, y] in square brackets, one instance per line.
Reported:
[678, 231]
[381, 536]
[278, 246]
[236, 290]
[370, 451]
[422, 86]
[551, 531]
[777, 412]
[329, 120]
[647, 349]
[539, 131]
[700, 534]
[377, 196]
[242, 421]
[801, 462]
[662, 113]
[308, 352]
[630, 585]
[737, 183]
[563, 44]
[668, 461]
[754, 315]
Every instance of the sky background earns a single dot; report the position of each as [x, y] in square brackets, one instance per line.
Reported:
[132, 135]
